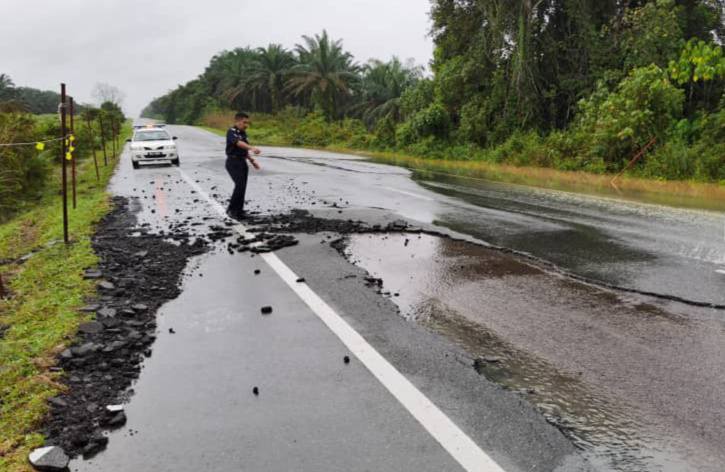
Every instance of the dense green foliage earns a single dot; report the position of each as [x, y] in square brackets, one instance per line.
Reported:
[25, 169]
[571, 84]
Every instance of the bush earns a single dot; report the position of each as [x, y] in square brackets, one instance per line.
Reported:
[617, 124]
[432, 121]
[23, 169]
[709, 151]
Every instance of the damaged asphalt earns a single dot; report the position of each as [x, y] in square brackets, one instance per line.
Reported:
[209, 383]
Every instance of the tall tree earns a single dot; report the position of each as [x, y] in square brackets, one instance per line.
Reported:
[268, 72]
[326, 73]
[7, 88]
[381, 87]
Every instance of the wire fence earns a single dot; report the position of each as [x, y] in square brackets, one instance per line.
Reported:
[107, 127]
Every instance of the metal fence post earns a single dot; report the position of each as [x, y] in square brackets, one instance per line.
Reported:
[113, 135]
[73, 157]
[93, 146]
[63, 150]
[103, 138]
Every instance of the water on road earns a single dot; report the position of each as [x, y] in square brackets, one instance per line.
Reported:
[634, 380]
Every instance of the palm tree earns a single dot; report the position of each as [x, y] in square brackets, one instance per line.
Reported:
[382, 85]
[7, 88]
[226, 76]
[325, 73]
[268, 72]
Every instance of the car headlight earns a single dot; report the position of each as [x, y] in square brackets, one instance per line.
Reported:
[136, 148]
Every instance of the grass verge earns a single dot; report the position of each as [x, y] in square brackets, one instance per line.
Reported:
[41, 314]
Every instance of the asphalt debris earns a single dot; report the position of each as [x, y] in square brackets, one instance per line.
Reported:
[103, 361]
[49, 458]
[266, 310]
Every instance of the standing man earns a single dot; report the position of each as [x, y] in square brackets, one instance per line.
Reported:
[238, 153]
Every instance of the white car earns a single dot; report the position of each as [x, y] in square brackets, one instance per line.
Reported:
[153, 144]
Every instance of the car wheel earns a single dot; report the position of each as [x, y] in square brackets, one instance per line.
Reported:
[136, 165]
[175, 162]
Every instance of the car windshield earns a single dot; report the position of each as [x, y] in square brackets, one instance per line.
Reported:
[151, 135]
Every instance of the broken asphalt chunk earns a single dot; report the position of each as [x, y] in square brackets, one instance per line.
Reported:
[96, 443]
[106, 285]
[91, 327]
[108, 312]
[266, 310]
[90, 308]
[92, 274]
[49, 458]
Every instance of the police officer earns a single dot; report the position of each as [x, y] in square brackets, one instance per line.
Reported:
[238, 153]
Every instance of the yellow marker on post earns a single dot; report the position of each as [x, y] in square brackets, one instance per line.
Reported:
[39, 146]
[68, 156]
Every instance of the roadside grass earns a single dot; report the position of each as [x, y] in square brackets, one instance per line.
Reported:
[685, 194]
[41, 314]
[266, 130]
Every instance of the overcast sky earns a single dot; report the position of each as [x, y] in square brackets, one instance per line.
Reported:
[148, 47]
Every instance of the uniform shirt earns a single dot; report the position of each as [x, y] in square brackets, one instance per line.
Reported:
[234, 135]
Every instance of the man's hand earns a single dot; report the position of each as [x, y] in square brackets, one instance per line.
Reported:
[256, 151]
[254, 163]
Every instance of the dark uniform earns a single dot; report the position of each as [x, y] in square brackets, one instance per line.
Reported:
[237, 167]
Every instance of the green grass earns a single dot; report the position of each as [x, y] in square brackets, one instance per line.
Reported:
[42, 314]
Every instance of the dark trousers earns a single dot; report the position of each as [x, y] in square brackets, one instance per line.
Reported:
[238, 170]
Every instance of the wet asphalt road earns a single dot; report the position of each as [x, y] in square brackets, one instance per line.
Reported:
[193, 408]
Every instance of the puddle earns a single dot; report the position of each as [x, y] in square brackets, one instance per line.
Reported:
[585, 358]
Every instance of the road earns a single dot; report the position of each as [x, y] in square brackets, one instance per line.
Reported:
[575, 376]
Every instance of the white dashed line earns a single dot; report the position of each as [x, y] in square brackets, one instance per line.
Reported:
[458, 444]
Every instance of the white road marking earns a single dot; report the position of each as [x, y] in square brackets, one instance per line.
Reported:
[720, 271]
[458, 444]
[416, 195]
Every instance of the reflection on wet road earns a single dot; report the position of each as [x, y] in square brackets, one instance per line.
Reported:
[647, 247]
[633, 381]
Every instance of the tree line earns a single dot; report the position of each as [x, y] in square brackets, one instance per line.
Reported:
[27, 99]
[571, 84]
[316, 74]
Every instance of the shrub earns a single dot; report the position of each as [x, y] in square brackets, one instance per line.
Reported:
[432, 121]
[23, 170]
[617, 124]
